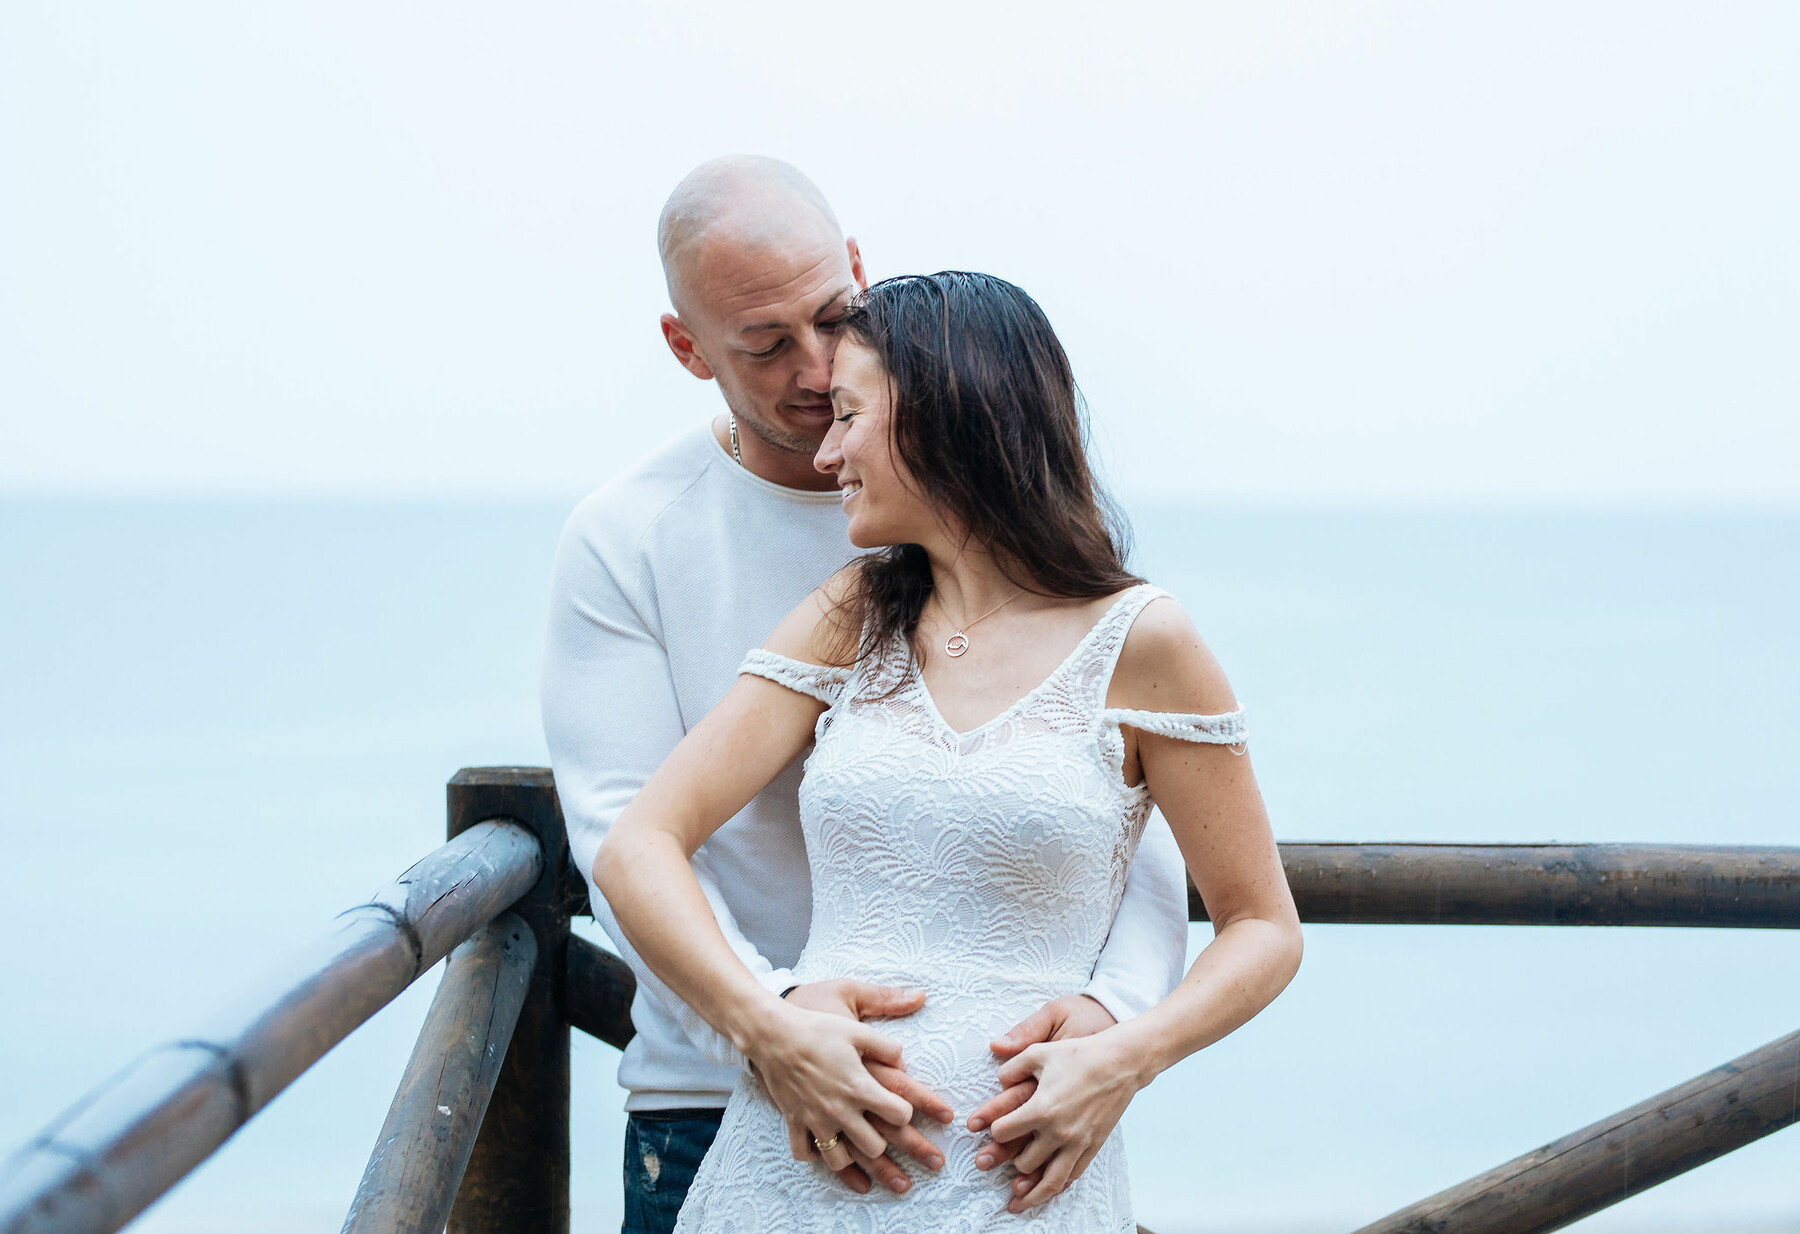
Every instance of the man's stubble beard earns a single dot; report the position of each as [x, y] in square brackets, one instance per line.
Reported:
[773, 436]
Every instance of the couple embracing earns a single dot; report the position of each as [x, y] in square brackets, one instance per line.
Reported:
[876, 837]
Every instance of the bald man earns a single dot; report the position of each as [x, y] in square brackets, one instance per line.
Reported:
[664, 578]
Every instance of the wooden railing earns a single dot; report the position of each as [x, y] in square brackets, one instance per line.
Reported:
[477, 1137]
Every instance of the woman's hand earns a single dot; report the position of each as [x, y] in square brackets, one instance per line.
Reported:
[1083, 1087]
[814, 1067]
[1072, 1015]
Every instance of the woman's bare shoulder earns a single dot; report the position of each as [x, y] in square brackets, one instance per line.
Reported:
[818, 631]
[1166, 666]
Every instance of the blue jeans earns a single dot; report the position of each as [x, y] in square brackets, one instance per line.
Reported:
[663, 1148]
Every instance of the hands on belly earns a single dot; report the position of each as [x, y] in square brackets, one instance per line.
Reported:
[1061, 1095]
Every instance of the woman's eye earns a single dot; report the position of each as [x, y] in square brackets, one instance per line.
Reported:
[846, 417]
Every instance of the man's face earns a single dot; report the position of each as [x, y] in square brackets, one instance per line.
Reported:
[763, 320]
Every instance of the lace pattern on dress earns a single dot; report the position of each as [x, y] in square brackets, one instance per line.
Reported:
[985, 865]
[816, 680]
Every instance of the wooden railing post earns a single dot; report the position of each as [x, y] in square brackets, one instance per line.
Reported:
[517, 1181]
[424, 1145]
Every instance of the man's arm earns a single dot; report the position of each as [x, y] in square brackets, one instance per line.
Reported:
[1146, 952]
[610, 718]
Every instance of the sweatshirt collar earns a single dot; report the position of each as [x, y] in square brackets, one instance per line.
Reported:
[744, 475]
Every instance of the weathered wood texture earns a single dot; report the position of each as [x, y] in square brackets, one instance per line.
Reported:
[1636, 1149]
[430, 1130]
[1541, 884]
[517, 1181]
[597, 988]
[109, 1156]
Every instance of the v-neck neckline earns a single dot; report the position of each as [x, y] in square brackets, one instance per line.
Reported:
[961, 736]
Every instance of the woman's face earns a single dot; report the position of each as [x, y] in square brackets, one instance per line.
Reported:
[880, 498]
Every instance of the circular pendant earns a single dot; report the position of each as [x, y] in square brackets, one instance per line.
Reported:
[956, 644]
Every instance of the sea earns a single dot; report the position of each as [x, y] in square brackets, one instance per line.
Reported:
[221, 722]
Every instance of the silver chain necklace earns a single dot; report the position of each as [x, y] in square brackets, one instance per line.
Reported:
[739, 458]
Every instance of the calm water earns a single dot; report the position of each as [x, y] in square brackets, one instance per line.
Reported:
[223, 723]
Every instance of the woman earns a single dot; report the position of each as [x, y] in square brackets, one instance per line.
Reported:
[996, 704]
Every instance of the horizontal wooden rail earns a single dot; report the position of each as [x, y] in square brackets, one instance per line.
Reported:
[597, 988]
[1426, 884]
[1541, 885]
[430, 1131]
[1459, 884]
[1620, 1156]
[119, 1148]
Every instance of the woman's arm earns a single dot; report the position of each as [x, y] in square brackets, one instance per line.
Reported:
[811, 1063]
[598, 644]
[1208, 794]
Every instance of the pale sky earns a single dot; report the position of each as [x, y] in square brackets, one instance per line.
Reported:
[1299, 250]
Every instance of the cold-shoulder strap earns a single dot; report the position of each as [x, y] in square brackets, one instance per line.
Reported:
[816, 680]
[1225, 729]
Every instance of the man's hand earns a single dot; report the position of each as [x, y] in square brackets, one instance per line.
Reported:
[1073, 1015]
[859, 1000]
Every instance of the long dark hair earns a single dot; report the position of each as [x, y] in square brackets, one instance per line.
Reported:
[987, 419]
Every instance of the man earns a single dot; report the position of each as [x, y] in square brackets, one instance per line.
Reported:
[664, 579]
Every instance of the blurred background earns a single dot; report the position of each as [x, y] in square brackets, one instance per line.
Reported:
[1442, 353]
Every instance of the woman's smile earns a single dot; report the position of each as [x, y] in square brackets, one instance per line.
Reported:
[858, 451]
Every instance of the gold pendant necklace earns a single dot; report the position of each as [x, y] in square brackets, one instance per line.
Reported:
[958, 642]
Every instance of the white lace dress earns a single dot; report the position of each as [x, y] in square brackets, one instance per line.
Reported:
[984, 867]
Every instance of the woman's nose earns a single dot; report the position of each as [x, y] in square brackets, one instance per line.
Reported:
[829, 456]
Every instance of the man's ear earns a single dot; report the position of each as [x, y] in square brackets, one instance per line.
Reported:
[856, 266]
[682, 344]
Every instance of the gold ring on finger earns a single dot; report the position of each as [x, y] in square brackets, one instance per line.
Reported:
[826, 1146]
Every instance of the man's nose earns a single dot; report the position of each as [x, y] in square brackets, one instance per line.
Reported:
[815, 364]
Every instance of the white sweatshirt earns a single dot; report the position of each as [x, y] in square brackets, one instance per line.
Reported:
[664, 579]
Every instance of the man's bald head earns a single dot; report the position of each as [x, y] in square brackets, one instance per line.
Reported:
[760, 275]
[745, 201]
